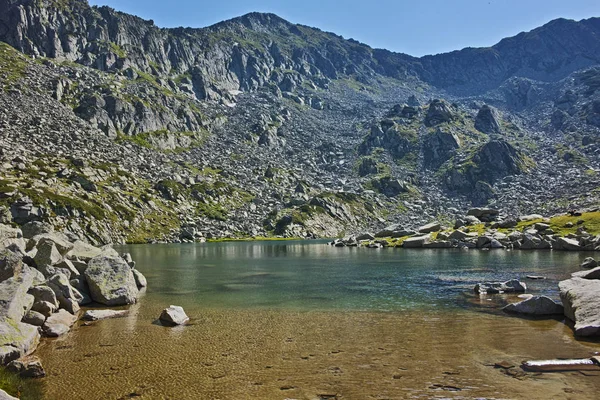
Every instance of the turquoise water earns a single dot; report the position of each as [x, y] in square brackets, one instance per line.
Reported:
[311, 275]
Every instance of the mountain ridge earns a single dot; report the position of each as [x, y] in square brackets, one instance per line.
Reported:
[117, 130]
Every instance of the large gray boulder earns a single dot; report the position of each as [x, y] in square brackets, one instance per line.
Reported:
[416, 242]
[16, 339]
[174, 315]
[566, 244]
[83, 251]
[429, 228]
[35, 228]
[111, 281]
[60, 241]
[14, 300]
[582, 304]
[537, 305]
[47, 255]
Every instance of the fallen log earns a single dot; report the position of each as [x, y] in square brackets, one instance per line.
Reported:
[582, 364]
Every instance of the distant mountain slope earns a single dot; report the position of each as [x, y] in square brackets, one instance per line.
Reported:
[245, 53]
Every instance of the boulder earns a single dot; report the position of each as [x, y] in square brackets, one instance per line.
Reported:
[589, 263]
[68, 297]
[174, 315]
[566, 244]
[439, 111]
[35, 228]
[582, 304]
[429, 228]
[14, 300]
[34, 318]
[82, 287]
[11, 264]
[416, 242]
[591, 274]
[27, 367]
[95, 315]
[45, 301]
[47, 254]
[16, 339]
[365, 236]
[487, 120]
[140, 280]
[60, 241]
[458, 235]
[512, 286]
[11, 236]
[59, 323]
[83, 252]
[537, 305]
[111, 281]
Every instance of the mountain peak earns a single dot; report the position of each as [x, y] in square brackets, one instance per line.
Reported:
[256, 21]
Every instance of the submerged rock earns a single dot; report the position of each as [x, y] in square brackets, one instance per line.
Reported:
[95, 315]
[174, 315]
[538, 305]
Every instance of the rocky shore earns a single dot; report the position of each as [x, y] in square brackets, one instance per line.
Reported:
[486, 229]
[45, 278]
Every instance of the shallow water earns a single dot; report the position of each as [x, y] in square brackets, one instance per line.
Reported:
[303, 320]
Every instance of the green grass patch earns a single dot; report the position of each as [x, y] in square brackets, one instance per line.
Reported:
[24, 389]
[12, 66]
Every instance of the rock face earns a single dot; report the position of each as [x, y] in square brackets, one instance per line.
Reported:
[174, 315]
[536, 306]
[582, 304]
[111, 281]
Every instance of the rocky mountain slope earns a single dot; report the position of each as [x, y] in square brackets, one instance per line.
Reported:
[117, 130]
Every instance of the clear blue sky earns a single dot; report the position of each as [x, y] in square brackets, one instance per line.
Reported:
[415, 27]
